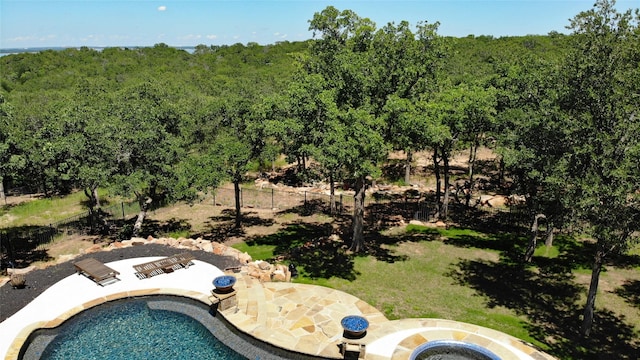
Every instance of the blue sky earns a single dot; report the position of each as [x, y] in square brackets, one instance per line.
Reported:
[46, 23]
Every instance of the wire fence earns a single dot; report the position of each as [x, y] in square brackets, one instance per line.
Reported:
[279, 199]
[378, 206]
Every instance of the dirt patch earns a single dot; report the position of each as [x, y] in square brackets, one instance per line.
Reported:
[460, 158]
[17, 200]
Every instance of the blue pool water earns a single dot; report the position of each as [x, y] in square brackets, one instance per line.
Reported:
[133, 330]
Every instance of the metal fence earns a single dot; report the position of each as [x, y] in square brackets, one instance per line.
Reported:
[279, 199]
[36, 238]
[378, 206]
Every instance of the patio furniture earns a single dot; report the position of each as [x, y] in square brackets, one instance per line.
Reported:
[165, 265]
[96, 271]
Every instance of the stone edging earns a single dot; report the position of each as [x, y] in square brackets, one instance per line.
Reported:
[258, 269]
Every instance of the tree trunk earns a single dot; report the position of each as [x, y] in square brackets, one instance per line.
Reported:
[357, 241]
[299, 163]
[501, 165]
[92, 194]
[236, 192]
[436, 172]
[468, 192]
[92, 215]
[473, 155]
[2, 194]
[445, 201]
[533, 238]
[96, 197]
[87, 193]
[144, 205]
[407, 168]
[332, 195]
[587, 319]
[548, 242]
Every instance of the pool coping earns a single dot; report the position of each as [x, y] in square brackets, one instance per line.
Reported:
[297, 317]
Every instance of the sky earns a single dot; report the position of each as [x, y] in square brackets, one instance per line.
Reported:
[106, 23]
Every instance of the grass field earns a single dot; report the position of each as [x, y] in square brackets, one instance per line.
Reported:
[417, 272]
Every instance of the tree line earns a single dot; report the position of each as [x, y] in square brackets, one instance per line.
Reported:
[561, 111]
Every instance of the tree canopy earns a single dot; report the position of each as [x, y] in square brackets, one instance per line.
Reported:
[149, 123]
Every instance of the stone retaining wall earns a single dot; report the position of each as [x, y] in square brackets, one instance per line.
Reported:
[258, 269]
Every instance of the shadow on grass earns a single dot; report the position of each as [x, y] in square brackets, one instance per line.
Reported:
[490, 220]
[292, 236]
[511, 245]
[311, 248]
[547, 295]
[21, 246]
[311, 207]
[630, 292]
[221, 228]
[156, 228]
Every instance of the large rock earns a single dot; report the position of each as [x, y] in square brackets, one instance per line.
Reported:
[244, 258]
[11, 271]
[208, 247]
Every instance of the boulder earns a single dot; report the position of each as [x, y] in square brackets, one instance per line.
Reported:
[218, 248]
[244, 258]
[278, 275]
[12, 271]
[263, 265]
[17, 281]
[92, 249]
[208, 247]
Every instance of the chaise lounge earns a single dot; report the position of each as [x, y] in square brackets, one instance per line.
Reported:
[165, 265]
[96, 271]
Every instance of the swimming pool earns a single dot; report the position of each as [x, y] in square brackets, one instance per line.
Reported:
[161, 327]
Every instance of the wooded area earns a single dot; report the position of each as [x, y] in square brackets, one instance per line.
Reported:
[561, 111]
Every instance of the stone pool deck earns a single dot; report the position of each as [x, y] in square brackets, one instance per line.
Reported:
[297, 317]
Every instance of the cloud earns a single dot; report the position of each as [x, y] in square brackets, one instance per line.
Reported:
[211, 37]
[280, 35]
[23, 38]
[162, 8]
[190, 37]
[89, 37]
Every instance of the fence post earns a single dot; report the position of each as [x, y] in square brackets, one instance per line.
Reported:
[305, 198]
[341, 204]
[122, 205]
[214, 199]
[241, 199]
[272, 204]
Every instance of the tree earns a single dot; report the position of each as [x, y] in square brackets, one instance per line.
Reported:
[530, 137]
[341, 57]
[408, 67]
[239, 140]
[365, 69]
[602, 98]
[296, 117]
[463, 112]
[148, 145]
[5, 152]
[95, 132]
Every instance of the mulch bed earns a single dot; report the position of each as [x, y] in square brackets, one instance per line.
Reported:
[37, 281]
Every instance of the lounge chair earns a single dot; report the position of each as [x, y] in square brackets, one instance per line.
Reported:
[96, 271]
[168, 264]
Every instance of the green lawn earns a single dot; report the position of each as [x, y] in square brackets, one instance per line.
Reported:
[478, 278]
[421, 286]
[458, 274]
[42, 211]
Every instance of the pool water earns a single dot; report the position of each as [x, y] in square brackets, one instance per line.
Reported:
[133, 330]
